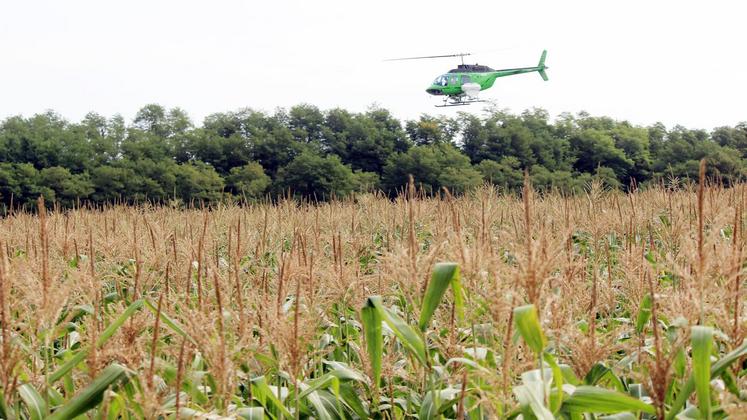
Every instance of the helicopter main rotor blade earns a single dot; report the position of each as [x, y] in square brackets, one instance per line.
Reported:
[429, 56]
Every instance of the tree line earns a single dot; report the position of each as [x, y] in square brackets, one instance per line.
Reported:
[163, 157]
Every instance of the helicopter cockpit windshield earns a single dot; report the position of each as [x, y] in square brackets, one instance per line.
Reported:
[441, 81]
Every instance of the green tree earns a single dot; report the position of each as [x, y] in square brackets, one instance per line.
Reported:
[223, 153]
[305, 122]
[734, 137]
[432, 130]
[37, 140]
[180, 134]
[111, 183]
[501, 135]
[364, 141]
[313, 176]
[507, 173]
[549, 149]
[198, 181]
[594, 148]
[275, 149]
[142, 144]
[634, 142]
[66, 186]
[19, 182]
[249, 180]
[607, 177]
[101, 137]
[366, 181]
[474, 137]
[432, 166]
[152, 180]
[152, 118]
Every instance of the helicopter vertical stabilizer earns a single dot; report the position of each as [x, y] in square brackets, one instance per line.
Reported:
[542, 66]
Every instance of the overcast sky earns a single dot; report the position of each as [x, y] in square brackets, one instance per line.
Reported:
[644, 61]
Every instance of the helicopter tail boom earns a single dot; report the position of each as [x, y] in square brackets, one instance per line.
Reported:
[540, 68]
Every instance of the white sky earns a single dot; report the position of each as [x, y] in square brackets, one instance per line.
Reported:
[645, 61]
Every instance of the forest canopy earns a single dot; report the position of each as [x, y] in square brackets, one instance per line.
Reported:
[163, 157]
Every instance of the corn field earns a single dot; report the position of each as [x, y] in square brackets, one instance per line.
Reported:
[604, 305]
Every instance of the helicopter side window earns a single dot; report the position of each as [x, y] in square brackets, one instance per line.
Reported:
[453, 80]
[466, 79]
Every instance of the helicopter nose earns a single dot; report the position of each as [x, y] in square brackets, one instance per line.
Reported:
[434, 91]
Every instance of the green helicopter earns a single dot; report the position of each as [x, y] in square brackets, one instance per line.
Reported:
[461, 86]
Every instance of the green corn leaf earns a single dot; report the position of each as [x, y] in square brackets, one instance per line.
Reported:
[324, 381]
[730, 382]
[264, 395]
[111, 297]
[636, 391]
[680, 363]
[332, 404]
[67, 383]
[310, 393]
[702, 342]
[371, 320]
[81, 355]
[644, 314]
[456, 288]
[4, 411]
[55, 397]
[190, 384]
[114, 326]
[557, 376]
[169, 322]
[531, 400]
[592, 399]
[251, 413]
[350, 398]
[406, 334]
[33, 400]
[344, 372]
[601, 374]
[435, 402]
[716, 370]
[91, 395]
[595, 374]
[444, 274]
[117, 407]
[568, 375]
[620, 416]
[191, 413]
[326, 405]
[691, 413]
[467, 362]
[527, 323]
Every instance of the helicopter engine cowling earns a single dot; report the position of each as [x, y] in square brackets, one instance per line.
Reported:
[471, 90]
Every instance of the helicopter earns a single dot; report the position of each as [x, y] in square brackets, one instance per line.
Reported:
[461, 86]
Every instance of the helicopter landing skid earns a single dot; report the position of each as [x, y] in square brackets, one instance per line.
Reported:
[458, 102]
